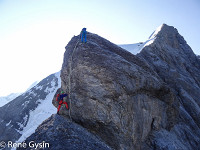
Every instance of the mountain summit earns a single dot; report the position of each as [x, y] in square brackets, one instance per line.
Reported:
[117, 100]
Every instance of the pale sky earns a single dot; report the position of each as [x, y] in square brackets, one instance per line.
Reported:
[34, 33]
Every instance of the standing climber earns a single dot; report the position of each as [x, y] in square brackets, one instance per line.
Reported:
[83, 34]
[60, 98]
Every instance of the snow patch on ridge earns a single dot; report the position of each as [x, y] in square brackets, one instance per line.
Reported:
[153, 35]
[44, 110]
[133, 48]
[137, 48]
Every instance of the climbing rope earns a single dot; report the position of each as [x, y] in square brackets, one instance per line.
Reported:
[69, 78]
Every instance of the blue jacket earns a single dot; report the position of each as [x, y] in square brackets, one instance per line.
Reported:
[62, 96]
[83, 31]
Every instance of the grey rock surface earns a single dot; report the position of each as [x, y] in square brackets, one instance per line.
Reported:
[115, 94]
[176, 64]
[148, 101]
[62, 134]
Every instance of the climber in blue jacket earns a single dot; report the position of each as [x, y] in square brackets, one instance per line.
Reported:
[83, 34]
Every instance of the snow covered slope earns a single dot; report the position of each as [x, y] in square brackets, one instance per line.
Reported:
[20, 117]
[133, 48]
[43, 111]
[137, 47]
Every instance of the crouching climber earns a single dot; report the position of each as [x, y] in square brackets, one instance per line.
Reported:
[60, 100]
[83, 34]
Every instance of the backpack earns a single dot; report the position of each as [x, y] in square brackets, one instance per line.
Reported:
[58, 97]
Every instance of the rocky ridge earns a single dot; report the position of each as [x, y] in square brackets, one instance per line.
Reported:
[17, 117]
[62, 134]
[176, 64]
[145, 101]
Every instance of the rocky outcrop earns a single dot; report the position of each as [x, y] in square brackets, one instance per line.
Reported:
[176, 64]
[148, 101]
[15, 115]
[62, 134]
[115, 94]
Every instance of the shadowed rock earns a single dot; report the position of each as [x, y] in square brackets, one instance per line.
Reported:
[62, 134]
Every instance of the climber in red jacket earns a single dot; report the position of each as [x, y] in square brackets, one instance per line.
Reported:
[59, 98]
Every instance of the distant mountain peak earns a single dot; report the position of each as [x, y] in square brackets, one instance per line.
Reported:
[163, 30]
[168, 34]
[153, 35]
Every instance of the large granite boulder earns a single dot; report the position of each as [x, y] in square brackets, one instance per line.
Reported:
[115, 94]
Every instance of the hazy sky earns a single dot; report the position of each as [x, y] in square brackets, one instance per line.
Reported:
[34, 33]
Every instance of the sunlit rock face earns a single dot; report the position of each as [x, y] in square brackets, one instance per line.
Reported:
[115, 94]
[148, 101]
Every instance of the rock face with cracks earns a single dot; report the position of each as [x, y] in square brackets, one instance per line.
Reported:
[115, 94]
[148, 101]
[61, 134]
[176, 64]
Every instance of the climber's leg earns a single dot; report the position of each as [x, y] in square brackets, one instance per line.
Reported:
[66, 105]
[85, 37]
[58, 108]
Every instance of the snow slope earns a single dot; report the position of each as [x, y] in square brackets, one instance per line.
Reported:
[133, 48]
[43, 111]
[137, 47]
[20, 117]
